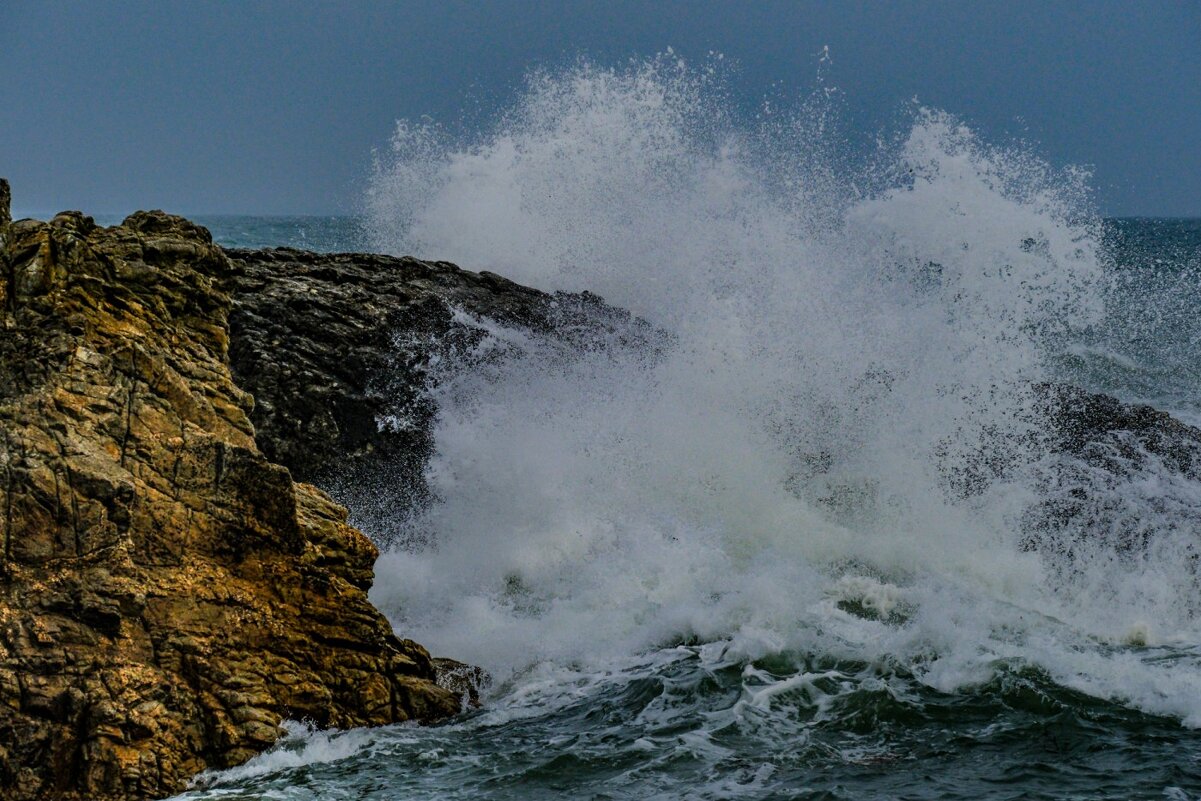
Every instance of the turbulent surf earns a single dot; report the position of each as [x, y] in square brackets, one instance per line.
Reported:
[814, 538]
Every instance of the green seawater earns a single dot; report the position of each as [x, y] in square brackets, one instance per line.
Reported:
[683, 723]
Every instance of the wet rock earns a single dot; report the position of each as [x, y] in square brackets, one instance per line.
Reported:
[168, 594]
[1093, 486]
[468, 682]
[336, 349]
[1114, 435]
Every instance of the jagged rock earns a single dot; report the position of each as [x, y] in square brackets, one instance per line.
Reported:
[167, 593]
[1103, 453]
[1074, 429]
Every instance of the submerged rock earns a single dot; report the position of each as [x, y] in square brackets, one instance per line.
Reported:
[466, 681]
[1116, 436]
[168, 594]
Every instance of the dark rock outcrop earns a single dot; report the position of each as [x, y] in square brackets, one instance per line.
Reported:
[312, 335]
[1116, 435]
[168, 594]
[331, 344]
[1103, 455]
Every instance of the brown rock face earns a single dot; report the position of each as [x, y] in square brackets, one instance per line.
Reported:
[167, 594]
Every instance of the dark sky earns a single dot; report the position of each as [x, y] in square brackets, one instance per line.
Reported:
[273, 107]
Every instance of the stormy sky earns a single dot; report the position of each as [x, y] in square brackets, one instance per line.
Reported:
[274, 107]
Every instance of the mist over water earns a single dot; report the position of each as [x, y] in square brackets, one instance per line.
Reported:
[845, 344]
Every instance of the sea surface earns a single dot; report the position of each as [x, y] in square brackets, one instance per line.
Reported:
[748, 562]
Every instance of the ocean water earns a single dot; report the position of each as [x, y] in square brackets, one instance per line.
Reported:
[759, 560]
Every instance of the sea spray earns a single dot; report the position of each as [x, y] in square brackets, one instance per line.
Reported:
[814, 540]
[847, 394]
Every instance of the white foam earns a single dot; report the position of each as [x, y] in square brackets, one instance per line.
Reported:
[300, 744]
[883, 323]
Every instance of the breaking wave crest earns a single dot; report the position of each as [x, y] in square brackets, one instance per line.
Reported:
[832, 451]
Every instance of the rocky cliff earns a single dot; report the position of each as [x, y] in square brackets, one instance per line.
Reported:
[168, 594]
